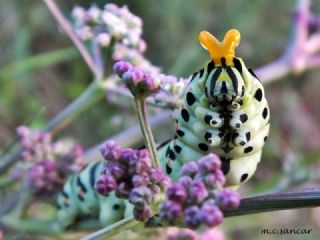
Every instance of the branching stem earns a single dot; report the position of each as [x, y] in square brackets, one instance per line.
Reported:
[146, 130]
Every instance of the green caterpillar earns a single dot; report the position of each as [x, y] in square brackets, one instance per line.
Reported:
[225, 112]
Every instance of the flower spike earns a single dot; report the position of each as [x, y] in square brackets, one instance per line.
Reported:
[219, 50]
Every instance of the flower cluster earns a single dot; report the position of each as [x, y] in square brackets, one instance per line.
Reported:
[112, 22]
[114, 27]
[139, 82]
[130, 174]
[45, 163]
[169, 89]
[172, 90]
[36, 145]
[198, 197]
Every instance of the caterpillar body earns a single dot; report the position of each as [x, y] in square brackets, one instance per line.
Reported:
[224, 112]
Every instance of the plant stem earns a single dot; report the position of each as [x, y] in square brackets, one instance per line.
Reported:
[90, 95]
[98, 59]
[113, 229]
[277, 201]
[67, 28]
[146, 131]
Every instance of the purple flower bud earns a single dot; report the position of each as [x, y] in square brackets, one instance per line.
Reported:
[123, 190]
[209, 163]
[144, 162]
[213, 180]
[49, 165]
[111, 150]
[156, 175]
[121, 67]
[150, 84]
[185, 234]
[116, 169]
[155, 189]
[220, 177]
[105, 184]
[198, 191]
[170, 210]
[26, 155]
[36, 172]
[228, 199]
[165, 182]
[133, 76]
[143, 153]
[211, 215]
[189, 169]
[45, 137]
[140, 196]
[186, 181]
[142, 214]
[177, 192]
[213, 233]
[51, 177]
[23, 131]
[129, 156]
[140, 180]
[192, 216]
[77, 151]
[26, 143]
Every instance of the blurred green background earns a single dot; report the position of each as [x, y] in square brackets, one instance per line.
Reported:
[41, 72]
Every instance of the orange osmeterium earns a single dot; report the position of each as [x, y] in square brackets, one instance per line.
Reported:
[224, 49]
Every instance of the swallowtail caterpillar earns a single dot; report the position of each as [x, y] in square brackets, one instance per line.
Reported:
[224, 112]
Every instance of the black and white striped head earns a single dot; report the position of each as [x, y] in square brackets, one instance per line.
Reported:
[224, 84]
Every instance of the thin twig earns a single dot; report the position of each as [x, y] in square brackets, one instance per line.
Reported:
[302, 50]
[146, 131]
[98, 59]
[113, 229]
[67, 28]
[304, 198]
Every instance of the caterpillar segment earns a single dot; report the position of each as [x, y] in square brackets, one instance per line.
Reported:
[78, 198]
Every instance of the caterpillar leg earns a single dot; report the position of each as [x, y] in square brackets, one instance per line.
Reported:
[241, 138]
[209, 117]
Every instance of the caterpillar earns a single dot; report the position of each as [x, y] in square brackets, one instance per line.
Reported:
[224, 111]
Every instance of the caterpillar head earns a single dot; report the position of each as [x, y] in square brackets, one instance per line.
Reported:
[224, 82]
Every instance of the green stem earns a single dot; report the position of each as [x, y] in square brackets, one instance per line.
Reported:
[277, 201]
[113, 229]
[146, 130]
